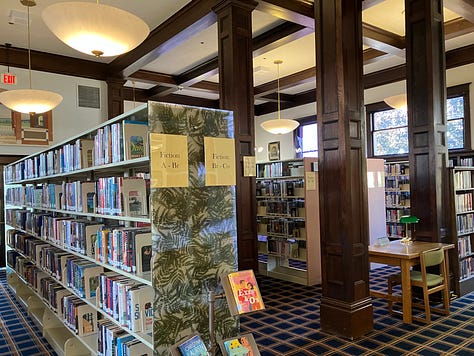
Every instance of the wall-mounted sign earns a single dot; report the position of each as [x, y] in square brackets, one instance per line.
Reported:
[8, 78]
[250, 166]
[169, 159]
[219, 158]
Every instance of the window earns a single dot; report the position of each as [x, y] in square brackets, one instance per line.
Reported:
[388, 128]
[306, 138]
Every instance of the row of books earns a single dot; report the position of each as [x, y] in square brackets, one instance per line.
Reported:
[285, 188]
[395, 230]
[397, 169]
[464, 246]
[463, 180]
[113, 340]
[126, 248]
[283, 247]
[113, 143]
[395, 215]
[280, 169]
[463, 202]
[128, 302]
[124, 196]
[287, 227]
[293, 208]
[77, 315]
[393, 199]
[397, 182]
[465, 223]
[466, 268]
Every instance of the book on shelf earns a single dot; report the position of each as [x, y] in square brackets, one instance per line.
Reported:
[134, 196]
[191, 345]
[140, 304]
[242, 292]
[241, 345]
[135, 138]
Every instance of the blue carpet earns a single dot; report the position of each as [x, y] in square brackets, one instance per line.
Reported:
[18, 334]
[289, 325]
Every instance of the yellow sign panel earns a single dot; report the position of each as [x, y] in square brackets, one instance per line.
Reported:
[169, 160]
[219, 161]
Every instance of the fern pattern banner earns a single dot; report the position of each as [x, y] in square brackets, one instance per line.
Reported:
[194, 232]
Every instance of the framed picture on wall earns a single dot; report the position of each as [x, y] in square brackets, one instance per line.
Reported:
[274, 151]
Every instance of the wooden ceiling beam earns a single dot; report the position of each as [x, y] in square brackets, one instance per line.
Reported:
[299, 11]
[191, 19]
[52, 63]
[384, 41]
[464, 8]
[146, 76]
[457, 27]
[301, 77]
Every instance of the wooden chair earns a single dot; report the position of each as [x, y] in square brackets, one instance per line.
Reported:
[429, 283]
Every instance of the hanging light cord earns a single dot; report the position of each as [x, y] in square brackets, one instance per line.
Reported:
[278, 89]
[29, 46]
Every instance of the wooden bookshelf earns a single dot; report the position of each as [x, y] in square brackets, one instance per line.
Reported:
[288, 220]
[461, 222]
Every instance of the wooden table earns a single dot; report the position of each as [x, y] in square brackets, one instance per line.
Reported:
[405, 256]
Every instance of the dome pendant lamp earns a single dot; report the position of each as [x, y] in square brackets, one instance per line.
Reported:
[279, 126]
[30, 101]
[397, 101]
[95, 29]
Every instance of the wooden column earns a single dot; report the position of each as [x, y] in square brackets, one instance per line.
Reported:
[115, 96]
[426, 95]
[346, 307]
[234, 19]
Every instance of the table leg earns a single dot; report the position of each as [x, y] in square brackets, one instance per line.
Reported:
[406, 292]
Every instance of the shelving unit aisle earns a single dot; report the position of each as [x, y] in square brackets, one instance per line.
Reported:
[85, 217]
[288, 220]
[397, 197]
[461, 212]
[44, 205]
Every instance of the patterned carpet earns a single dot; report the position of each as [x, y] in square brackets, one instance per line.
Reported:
[18, 334]
[290, 325]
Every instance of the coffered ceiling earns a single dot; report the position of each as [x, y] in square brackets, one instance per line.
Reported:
[178, 61]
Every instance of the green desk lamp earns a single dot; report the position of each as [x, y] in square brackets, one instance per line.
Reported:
[408, 219]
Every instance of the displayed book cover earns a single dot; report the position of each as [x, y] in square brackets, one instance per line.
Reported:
[135, 138]
[242, 292]
[192, 345]
[241, 345]
[134, 196]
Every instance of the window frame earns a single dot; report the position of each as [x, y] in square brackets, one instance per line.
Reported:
[451, 92]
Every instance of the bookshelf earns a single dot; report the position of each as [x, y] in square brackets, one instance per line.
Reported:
[288, 241]
[397, 197]
[461, 182]
[96, 228]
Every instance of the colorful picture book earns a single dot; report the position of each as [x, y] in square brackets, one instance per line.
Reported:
[241, 345]
[193, 345]
[242, 293]
[135, 138]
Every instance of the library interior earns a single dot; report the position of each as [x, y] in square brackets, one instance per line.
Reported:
[237, 177]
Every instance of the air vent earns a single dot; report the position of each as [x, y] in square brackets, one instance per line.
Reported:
[88, 97]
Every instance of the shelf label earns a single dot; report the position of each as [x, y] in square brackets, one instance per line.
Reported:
[310, 180]
[250, 167]
[169, 161]
[220, 161]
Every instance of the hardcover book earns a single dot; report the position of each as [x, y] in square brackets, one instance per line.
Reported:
[241, 345]
[135, 138]
[242, 293]
[134, 197]
[192, 345]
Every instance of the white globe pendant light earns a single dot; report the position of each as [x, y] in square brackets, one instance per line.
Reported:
[279, 126]
[30, 101]
[95, 29]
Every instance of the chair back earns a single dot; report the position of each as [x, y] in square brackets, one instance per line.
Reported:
[433, 257]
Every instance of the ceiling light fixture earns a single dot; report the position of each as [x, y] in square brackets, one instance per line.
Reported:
[397, 101]
[279, 126]
[29, 101]
[95, 29]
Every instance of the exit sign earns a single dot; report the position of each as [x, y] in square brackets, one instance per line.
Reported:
[8, 78]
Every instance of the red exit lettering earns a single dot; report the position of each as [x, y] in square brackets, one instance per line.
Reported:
[8, 78]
